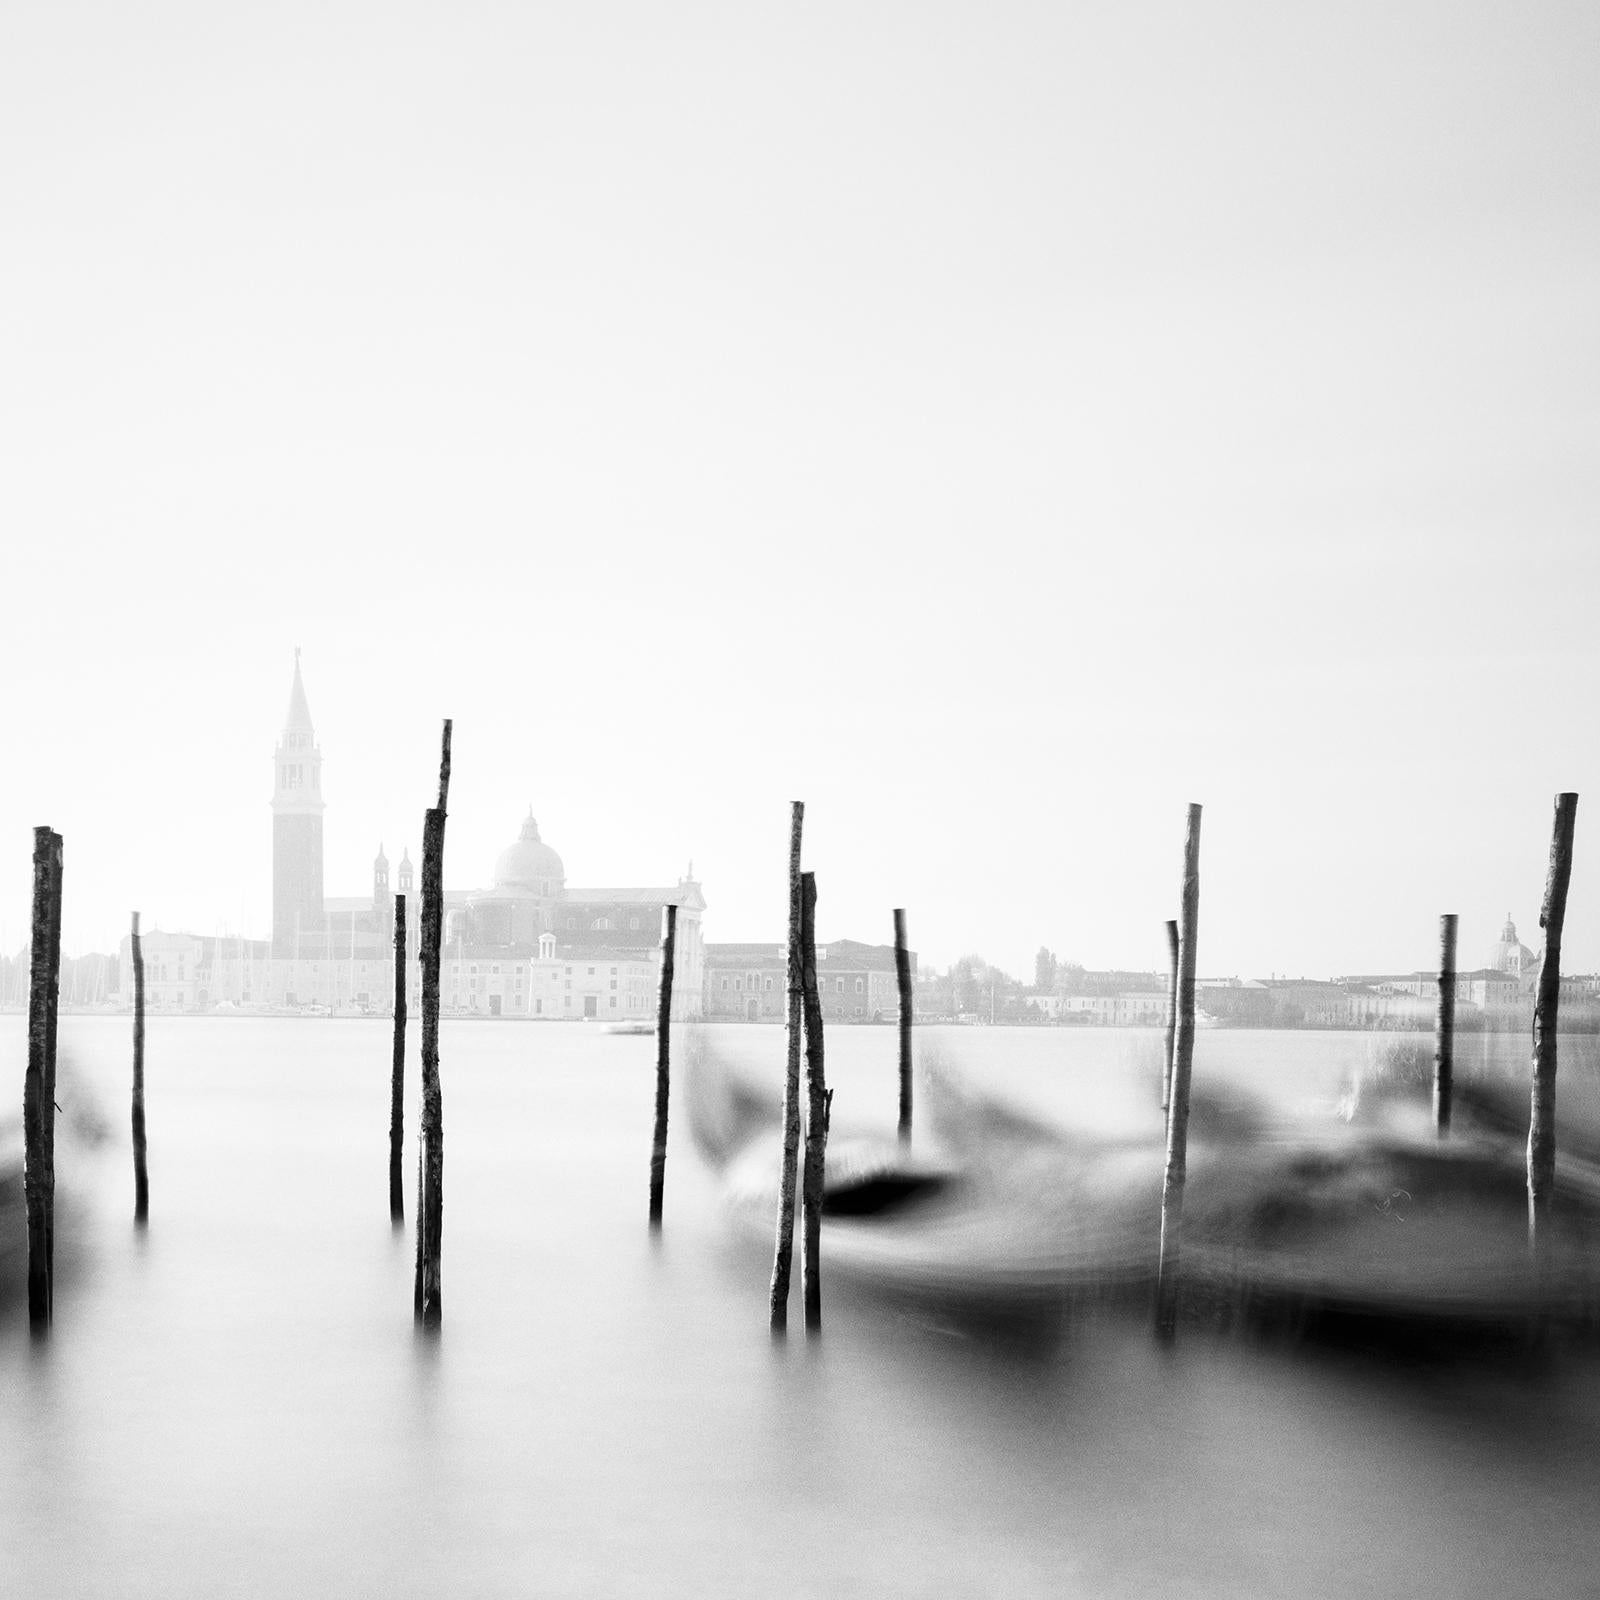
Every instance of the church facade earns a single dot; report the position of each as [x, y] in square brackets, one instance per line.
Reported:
[528, 945]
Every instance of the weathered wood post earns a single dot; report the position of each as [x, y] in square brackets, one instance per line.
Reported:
[819, 1104]
[902, 977]
[783, 1253]
[141, 1176]
[39, 1085]
[1172, 1014]
[1182, 1067]
[397, 1073]
[658, 1146]
[430, 1203]
[1444, 1026]
[1542, 1111]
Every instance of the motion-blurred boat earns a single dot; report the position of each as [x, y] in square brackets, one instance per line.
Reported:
[995, 1207]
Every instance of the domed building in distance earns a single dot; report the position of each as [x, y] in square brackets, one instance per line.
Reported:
[528, 884]
[531, 946]
[1509, 954]
[528, 945]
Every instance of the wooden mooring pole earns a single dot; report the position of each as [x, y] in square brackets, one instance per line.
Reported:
[1542, 1110]
[39, 1085]
[902, 977]
[1444, 1026]
[397, 1071]
[1172, 1015]
[141, 1175]
[1182, 1067]
[429, 1299]
[819, 1104]
[783, 1252]
[658, 1145]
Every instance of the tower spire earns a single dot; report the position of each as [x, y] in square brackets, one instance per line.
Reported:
[296, 824]
[297, 720]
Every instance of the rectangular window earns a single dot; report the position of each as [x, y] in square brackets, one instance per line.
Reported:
[860, 986]
[839, 983]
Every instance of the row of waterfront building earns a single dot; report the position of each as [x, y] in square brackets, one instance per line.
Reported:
[1499, 993]
[572, 980]
[611, 973]
[605, 980]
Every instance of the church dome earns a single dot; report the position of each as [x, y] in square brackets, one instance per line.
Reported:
[1510, 954]
[529, 866]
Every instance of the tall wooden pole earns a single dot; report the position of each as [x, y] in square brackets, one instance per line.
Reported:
[902, 975]
[658, 1146]
[141, 1176]
[1542, 1112]
[1444, 1025]
[783, 1253]
[1182, 1067]
[819, 1103]
[397, 1071]
[429, 1298]
[1172, 1014]
[39, 1084]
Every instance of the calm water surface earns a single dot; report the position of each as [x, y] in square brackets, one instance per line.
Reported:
[236, 1401]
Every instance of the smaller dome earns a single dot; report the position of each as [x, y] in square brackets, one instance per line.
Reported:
[529, 866]
[381, 861]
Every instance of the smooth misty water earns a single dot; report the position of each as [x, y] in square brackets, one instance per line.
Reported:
[237, 1403]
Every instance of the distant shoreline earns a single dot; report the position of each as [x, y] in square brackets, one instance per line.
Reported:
[1514, 1024]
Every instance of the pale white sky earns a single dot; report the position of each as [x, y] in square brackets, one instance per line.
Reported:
[996, 424]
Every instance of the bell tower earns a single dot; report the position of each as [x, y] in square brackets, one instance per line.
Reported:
[297, 910]
[382, 900]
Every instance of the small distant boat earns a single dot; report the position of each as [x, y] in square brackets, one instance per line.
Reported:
[637, 1025]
